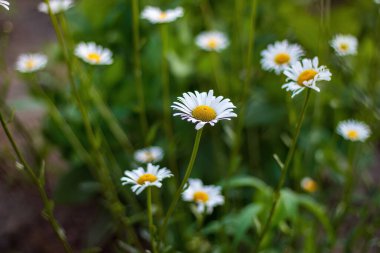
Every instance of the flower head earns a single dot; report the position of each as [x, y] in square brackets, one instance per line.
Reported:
[309, 184]
[141, 179]
[149, 155]
[344, 44]
[93, 54]
[280, 55]
[305, 74]
[156, 15]
[206, 197]
[27, 63]
[5, 4]
[212, 41]
[203, 108]
[353, 130]
[56, 6]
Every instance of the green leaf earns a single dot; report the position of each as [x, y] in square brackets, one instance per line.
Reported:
[247, 181]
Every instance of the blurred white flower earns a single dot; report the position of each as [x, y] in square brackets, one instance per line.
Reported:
[353, 130]
[377, 1]
[202, 108]
[212, 41]
[344, 44]
[56, 6]
[141, 179]
[149, 155]
[309, 184]
[27, 63]
[156, 15]
[5, 4]
[93, 54]
[305, 74]
[280, 55]
[206, 197]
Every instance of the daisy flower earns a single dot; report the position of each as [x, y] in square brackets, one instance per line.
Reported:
[5, 4]
[309, 184]
[202, 108]
[305, 74]
[280, 55]
[56, 6]
[149, 155]
[212, 41]
[27, 63]
[377, 1]
[353, 130]
[206, 197]
[344, 44]
[93, 54]
[141, 179]
[156, 15]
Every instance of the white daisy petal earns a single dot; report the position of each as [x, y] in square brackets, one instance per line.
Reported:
[5, 4]
[156, 16]
[27, 63]
[212, 41]
[353, 130]
[344, 44]
[56, 6]
[149, 155]
[93, 54]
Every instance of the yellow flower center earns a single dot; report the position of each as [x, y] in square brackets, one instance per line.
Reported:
[282, 58]
[94, 57]
[306, 75]
[200, 196]
[146, 178]
[212, 43]
[204, 113]
[30, 64]
[163, 15]
[352, 134]
[310, 186]
[343, 46]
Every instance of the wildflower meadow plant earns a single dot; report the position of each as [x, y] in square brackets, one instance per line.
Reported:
[56, 6]
[27, 63]
[344, 44]
[93, 54]
[156, 16]
[5, 4]
[212, 41]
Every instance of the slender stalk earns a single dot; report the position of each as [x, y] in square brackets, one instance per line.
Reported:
[245, 94]
[289, 157]
[48, 211]
[150, 219]
[184, 181]
[217, 73]
[166, 101]
[137, 67]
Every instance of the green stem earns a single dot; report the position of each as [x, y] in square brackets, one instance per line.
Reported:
[217, 73]
[137, 67]
[48, 211]
[276, 193]
[184, 181]
[166, 101]
[150, 219]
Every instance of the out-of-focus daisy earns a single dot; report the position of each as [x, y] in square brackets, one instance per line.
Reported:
[305, 74]
[93, 54]
[212, 41]
[27, 63]
[141, 179]
[344, 44]
[377, 1]
[203, 108]
[56, 6]
[309, 184]
[5, 4]
[156, 15]
[353, 130]
[280, 55]
[149, 155]
[206, 197]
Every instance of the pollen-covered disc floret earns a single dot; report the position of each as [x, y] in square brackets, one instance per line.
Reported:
[56, 6]
[206, 197]
[27, 63]
[305, 74]
[93, 54]
[203, 108]
[344, 44]
[5, 4]
[212, 41]
[156, 15]
[280, 55]
[141, 179]
[309, 184]
[149, 155]
[353, 130]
